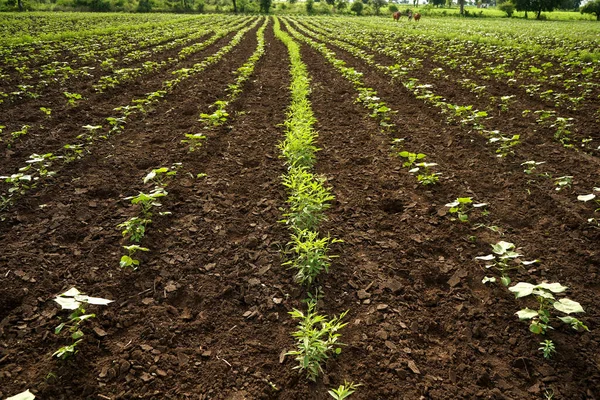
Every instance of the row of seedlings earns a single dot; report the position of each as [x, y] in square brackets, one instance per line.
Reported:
[134, 228]
[368, 97]
[462, 114]
[561, 126]
[124, 75]
[26, 179]
[308, 198]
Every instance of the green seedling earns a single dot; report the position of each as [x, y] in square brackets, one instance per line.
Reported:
[505, 144]
[135, 228]
[309, 255]
[20, 183]
[411, 158]
[562, 133]
[426, 177]
[504, 258]
[127, 260]
[505, 101]
[194, 140]
[530, 166]
[160, 176]
[72, 98]
[22, 132]
[73, 152]
[344, 390]
[544, 294]
[219, 117]
[564, 182]
[46, 111]
[547, 348]
[148, 200]
[462, 206]
[40, 163]
[316, 338]
[74, 300]
[308, 199]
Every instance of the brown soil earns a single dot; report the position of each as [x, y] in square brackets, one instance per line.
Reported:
[206, 314]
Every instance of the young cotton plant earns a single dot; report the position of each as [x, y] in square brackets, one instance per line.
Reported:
[462, 206]
[194, 140]
[425, 176]
[316, 338]
[127, 260]
[504, 260]
[74, 300]
[540, 319]
[148, 200]
[161, 176]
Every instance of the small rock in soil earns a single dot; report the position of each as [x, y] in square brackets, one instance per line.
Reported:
[363, 294]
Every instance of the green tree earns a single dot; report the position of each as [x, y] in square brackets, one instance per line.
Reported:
[536, 6]
[265, 6]
[357, 7]
[508, 7]
[144, 6]
[310, 6]
[593, 7]
[377, 4]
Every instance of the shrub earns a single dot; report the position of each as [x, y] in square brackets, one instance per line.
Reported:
[357, 7]
[508, 8]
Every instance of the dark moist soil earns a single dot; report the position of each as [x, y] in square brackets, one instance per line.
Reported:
[206, 314]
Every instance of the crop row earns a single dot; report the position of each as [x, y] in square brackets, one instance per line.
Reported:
[503, 252]
[146, 205]
[126, 75]
[37, 167]
[59, 72]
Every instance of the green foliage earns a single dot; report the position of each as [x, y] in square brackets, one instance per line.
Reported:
[540, 319]
[504, 260]
[316, 338]
[592, 7]
[507, 7]
[309, 255]
[310, 7]
[127, 260]
[547, 348]
[462, 206]
[357, 7]
[74, 300]
[343, 391]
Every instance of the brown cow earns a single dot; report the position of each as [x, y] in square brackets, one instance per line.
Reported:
[397, 15]
[417, 17]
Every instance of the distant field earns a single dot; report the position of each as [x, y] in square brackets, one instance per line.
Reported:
[236, 184]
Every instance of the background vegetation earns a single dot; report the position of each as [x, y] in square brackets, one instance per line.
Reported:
[540, 9]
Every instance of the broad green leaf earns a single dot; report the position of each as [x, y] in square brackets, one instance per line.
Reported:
[71, 292]
[67, 303]
[529, 262]
[487, 279]
[489, 257]
[453, 204]
[543, 293]
[526, 313]
[575, 323]
[553, 287]
[478, 205]
[568, 306]
[464, 200]
[505, 280]
[522, 289]
[26, 395]
[502, 247]
[536, 328]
